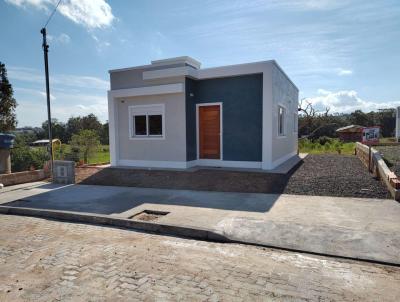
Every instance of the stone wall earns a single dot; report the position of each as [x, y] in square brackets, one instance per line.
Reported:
[23, 177]
[374, 161]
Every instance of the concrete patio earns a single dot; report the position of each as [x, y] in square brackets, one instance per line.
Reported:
[358, 228]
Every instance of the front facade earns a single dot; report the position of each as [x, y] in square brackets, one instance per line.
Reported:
[173, 114]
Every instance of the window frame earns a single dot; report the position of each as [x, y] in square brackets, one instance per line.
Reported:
[284, 122]
[146, 110]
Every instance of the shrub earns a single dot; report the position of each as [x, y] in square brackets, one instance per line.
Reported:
[323, 140]
[22, 158]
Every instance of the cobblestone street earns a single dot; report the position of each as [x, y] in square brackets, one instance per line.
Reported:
[43, 260]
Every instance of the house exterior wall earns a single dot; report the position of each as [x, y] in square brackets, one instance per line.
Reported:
[284, 93]
[171, 148]
[241, 98]
[249, 94]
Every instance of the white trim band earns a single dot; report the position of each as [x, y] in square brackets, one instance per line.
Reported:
[189, 164]
[148, 90]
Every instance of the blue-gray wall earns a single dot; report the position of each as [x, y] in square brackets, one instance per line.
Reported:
[241, 98]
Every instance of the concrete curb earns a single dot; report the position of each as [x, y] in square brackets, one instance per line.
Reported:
[157, 228]
[162, 229]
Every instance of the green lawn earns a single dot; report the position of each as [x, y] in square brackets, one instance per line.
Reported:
[332, 146]
[102, 155]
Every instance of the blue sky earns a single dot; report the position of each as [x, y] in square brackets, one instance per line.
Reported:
[341, 54]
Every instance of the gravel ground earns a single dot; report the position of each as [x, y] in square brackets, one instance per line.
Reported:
[326, 175]
[392, 154]
[335, 175]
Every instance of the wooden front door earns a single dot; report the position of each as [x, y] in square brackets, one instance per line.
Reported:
[209, 132]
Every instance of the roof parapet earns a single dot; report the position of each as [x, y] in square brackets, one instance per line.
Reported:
[184, 59]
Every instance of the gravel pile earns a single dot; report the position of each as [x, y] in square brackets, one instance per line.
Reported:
[335, 175]
[329, 175]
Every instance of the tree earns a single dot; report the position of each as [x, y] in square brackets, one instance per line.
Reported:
[86, 141]
[104, 136]
[89, 122]
[58, 130]
[8, 119]
[360, 118]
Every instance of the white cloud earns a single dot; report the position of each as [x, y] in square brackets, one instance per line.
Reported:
[89, 13]
[35, 76]
[62, 38]
[32, 110]
[100, 45]
[344, 72]
[345, 101]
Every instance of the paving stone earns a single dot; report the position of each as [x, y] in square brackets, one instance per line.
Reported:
[76, 262]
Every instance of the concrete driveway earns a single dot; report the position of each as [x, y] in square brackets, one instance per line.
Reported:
[348, 227]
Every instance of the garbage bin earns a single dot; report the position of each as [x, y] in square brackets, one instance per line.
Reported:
[6, 143]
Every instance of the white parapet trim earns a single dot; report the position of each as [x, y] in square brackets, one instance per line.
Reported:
[148, 90]
[170, 73]
[189, 164]
[225, 163]
[153, 164]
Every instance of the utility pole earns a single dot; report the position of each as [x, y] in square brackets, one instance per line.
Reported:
[45, 47]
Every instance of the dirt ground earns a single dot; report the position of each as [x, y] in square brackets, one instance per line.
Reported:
[326, 175]
[392, 155]
[46, 260]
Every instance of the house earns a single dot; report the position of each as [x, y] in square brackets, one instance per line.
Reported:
[173, 114]
[351, 133]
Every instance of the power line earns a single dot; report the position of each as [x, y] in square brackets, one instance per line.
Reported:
[55, 9]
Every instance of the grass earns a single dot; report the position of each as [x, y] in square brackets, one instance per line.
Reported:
[102, 155]
[326, 146]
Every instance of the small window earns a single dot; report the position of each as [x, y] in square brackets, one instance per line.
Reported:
[155, 124]
[281, 121]
[140, 125]
[295, 123]
[146, 121]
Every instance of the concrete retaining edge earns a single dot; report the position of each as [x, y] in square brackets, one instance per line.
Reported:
[157, 228]
[161, 229]
[23, 177]
[378, 167]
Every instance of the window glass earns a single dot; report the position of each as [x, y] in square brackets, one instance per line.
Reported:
[140, 125]
[155, 124]
[281, 121]
[295, 122]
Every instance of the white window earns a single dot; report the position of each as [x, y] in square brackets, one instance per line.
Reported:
[281, 121]
[146, 121]
[295, 123]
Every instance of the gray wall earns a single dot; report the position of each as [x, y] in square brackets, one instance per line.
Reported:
[172, 148]
[134, 78]
[241, 98]
[286, 94]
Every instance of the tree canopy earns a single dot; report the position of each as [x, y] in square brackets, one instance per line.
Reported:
[8, 119]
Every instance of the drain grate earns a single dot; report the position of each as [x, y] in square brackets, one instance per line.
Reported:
[148, 215]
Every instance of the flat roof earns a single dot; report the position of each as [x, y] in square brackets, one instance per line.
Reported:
[186, 59]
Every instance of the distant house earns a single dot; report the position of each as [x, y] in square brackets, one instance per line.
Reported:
[174, 114]
[352, 133]
[42, 142]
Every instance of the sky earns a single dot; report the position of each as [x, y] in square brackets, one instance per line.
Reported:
[344, 55]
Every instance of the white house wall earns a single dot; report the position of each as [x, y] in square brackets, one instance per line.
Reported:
[284, 93]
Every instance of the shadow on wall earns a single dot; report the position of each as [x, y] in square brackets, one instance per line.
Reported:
[104, 199]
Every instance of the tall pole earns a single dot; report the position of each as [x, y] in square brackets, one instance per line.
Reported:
[46, 68]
